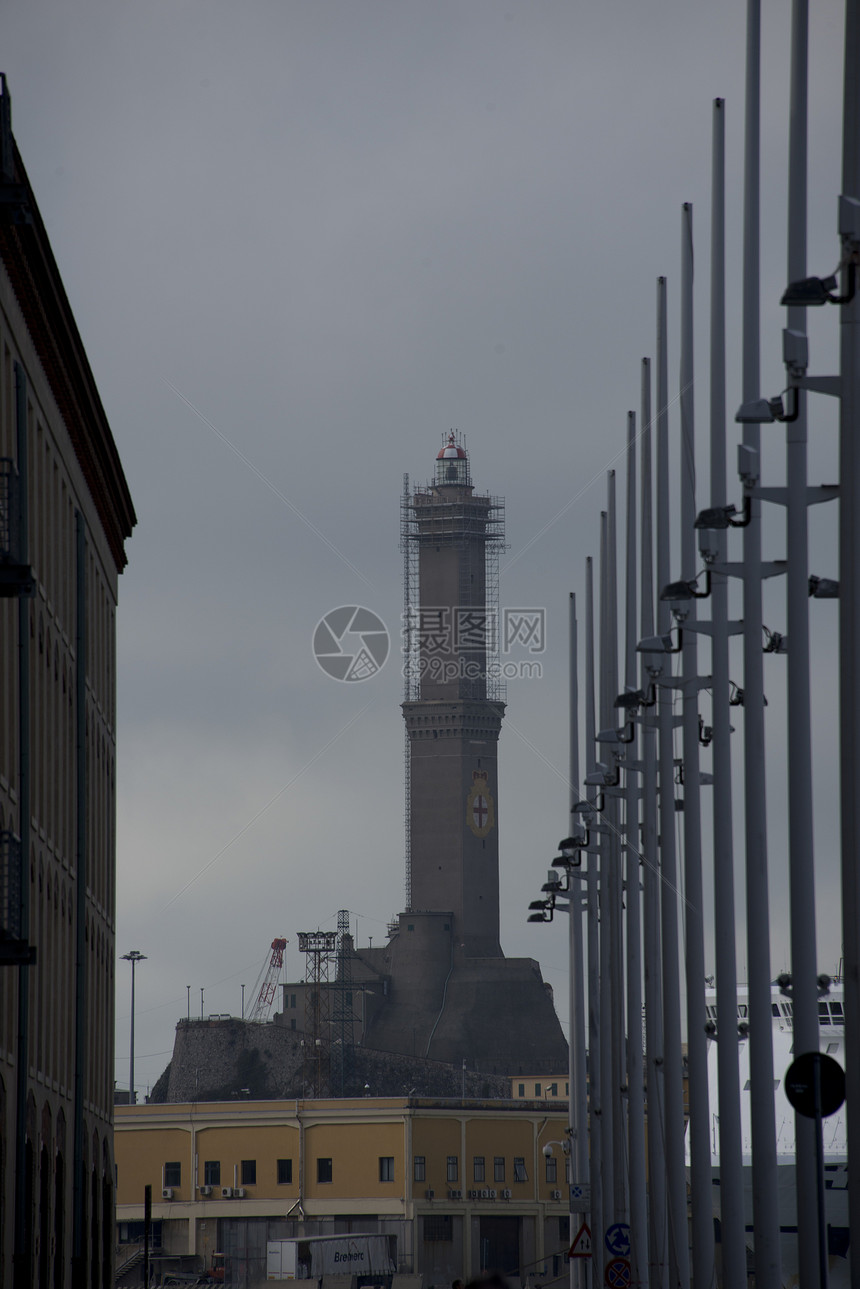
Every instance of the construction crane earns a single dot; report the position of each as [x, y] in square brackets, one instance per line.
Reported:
[269, 977]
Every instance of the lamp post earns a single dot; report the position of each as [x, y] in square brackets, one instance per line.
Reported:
[134, 957]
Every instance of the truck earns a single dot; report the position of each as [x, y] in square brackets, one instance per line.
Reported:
[371, 1259]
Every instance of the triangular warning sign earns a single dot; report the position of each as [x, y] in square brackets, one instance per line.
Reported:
[581, 1247]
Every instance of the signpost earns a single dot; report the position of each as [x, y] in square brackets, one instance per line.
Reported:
[617, 1240]
[815, 1086]
[581, 1247]
[617, 1273]
[580, 1197]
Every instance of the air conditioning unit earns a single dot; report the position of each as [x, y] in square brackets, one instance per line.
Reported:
[506, 1194]
[226, 1192]
[493, 1194]
[205, 1190]
[485, 1194]
[238, 1192]
[429, 1194]
[556, 1194]
[167, 1192]
[455, 1195]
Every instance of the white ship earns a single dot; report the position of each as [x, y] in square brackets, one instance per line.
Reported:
[832, 1027]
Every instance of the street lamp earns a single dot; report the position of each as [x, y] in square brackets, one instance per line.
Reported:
[134, 957]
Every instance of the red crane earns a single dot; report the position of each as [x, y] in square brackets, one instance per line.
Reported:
[269, 975]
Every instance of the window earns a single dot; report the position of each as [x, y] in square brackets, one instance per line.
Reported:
[386, 1168]
[537, 1089]
[173, 1174]
[248, 1171]
[567, 1173]
[438, 1227]
[285, 1172]
[479, 1171]
[324, 1170]
[520, 1174]
[292, 1000]
[212, 1172]
[564, 1230]
[567, 1089]
[553, 1089]
[521, 1089]
[418, 1169]
[453, 1168]
[499, 1168]
[551, 1169]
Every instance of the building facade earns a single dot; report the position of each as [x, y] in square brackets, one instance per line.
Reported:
[465, 1186]
[65, 513]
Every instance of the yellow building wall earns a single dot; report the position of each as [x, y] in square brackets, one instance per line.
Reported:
[497, 1137]
[140, 1157]
[265, 1145]
[354, 1150]
[436, 1139]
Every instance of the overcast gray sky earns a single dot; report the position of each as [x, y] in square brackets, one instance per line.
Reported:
[301, 241]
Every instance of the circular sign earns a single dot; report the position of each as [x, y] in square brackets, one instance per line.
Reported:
[800, 1084]
[617, 1273]
[617, 1239]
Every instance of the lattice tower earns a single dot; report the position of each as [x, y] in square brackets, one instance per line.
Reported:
[320, 948]
[342, 1051]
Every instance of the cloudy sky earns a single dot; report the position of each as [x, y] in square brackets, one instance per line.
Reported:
[302, 240]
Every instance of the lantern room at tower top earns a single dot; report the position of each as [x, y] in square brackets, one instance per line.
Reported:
[452, 464]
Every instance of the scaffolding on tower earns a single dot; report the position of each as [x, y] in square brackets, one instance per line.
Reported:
[269, 977]
[320, 949]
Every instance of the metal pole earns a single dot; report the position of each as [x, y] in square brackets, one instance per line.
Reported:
[694, 927]
[576, 1106]
[733, 1242]
[595, 1085]
[849, 624]
[616, 943]
[134, 957]
[676, 1189]
[635, 1067]
[658, 1257]
[607, 1100]
[801, 860]
[243, 1002]
[79, 1199]
[763, 1128]
[131, 1096]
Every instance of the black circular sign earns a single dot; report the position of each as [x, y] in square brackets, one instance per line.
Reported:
[800, 1084]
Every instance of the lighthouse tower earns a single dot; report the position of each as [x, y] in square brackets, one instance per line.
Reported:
[441, 987]
[454, 704]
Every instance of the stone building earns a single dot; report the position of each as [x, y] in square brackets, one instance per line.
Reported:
[65, 513]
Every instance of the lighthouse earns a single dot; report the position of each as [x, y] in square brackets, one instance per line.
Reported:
[441, 986]
[455, 701]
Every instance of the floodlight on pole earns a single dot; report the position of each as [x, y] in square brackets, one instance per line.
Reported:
[823, 588]
[660, 644]
[686, 590]
[717, 518]
[134, 956]
[814, 291]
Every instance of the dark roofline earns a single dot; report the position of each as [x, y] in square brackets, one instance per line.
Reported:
[29, 261]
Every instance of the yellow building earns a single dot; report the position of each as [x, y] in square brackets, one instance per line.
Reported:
[464, 1185]
[65, 513]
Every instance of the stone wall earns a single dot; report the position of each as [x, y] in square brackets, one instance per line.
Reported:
[214, 1060]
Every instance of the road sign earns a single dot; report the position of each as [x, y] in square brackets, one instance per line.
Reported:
[580, 1197]
[617, 1273]
[800, 1084]
[617, 1239]
[581, 1247]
